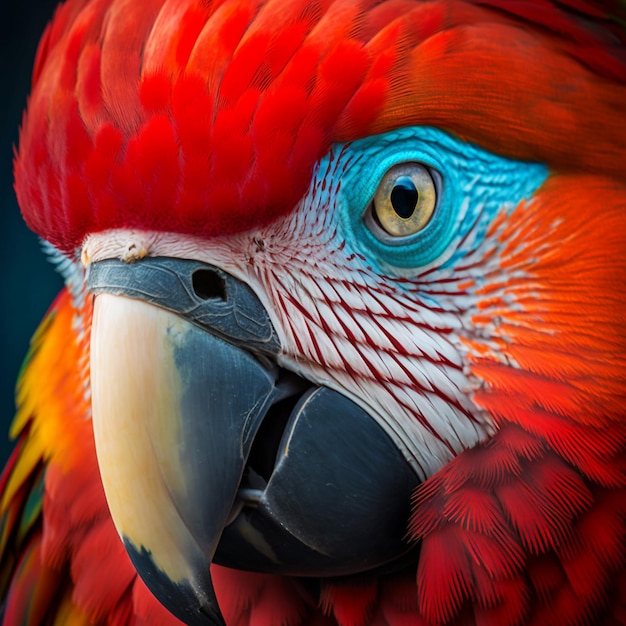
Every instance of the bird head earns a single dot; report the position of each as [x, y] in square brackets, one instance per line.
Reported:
[350, 263]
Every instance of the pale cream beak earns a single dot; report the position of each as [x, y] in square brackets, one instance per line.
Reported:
[169, 455]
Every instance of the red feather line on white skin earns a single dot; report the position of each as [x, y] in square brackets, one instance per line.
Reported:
[384, 350]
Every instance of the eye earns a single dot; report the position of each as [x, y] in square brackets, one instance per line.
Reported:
[405, 200]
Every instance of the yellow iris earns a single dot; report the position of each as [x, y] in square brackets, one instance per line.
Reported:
[405, 199]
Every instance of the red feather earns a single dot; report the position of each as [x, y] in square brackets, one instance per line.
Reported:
[227, 77]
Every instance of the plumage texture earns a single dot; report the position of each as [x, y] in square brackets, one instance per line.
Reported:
[142, 116]
[207, 120]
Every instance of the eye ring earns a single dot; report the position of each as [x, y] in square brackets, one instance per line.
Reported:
[404, 201]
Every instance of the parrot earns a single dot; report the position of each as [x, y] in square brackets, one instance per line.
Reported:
[342, 340]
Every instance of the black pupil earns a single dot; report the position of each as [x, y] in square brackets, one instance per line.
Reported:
[404, 197]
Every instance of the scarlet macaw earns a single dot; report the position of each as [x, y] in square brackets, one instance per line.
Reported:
[343, 338]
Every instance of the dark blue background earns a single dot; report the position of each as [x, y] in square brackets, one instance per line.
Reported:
[29, 282]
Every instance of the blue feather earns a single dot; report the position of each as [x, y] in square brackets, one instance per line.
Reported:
[474, 186]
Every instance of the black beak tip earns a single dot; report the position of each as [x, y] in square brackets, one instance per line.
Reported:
[194, 607]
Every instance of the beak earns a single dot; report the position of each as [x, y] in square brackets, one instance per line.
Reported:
[210, 452]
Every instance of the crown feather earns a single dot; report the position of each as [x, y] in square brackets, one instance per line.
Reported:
[208, 118]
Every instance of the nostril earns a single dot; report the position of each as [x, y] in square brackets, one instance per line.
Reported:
[208, 285]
